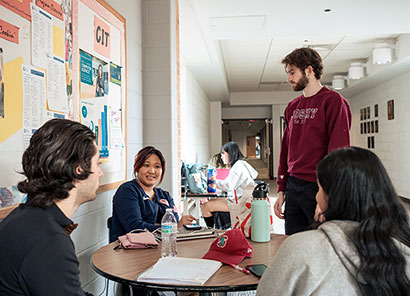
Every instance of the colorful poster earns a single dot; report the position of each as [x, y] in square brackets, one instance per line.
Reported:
[51, 7]
[101, 37]
[9, 32]
[93, 76]
[115, 73]
[21, 7]
[94, 114]
[86, 65]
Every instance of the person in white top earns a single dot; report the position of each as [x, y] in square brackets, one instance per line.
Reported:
[240, 175]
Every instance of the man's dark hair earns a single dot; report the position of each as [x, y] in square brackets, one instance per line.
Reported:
[303, 58]
[49, 163]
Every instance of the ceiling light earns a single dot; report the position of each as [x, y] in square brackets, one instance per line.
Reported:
[382, 53]
[356, 71]
[338, 82]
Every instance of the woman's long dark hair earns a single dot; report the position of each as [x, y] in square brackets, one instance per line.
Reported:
[234, 152]
[359, 189]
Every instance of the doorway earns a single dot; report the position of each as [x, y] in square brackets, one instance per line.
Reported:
[254, 138]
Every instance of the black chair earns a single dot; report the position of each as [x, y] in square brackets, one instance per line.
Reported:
[222, 220]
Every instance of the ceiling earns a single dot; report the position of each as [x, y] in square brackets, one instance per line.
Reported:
[235, 46]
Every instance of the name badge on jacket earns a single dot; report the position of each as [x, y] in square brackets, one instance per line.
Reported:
[164, 202]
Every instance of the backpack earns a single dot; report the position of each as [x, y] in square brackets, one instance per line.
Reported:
[194, 177]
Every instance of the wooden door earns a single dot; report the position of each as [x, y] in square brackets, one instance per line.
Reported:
[251, 147]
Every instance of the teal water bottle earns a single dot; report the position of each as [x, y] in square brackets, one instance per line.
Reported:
[260, 214]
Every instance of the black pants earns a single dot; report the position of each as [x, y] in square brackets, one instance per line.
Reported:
[300, 205]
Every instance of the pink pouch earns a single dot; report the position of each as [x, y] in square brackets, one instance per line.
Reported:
[138, 240]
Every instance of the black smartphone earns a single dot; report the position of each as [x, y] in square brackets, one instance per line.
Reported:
[257, 269]
[192, 226]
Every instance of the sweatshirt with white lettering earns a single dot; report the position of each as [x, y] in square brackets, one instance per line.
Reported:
[314, 126]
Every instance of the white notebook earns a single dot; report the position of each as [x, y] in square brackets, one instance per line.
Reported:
[177, 270]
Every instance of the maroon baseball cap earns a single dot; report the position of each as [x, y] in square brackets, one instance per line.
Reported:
[230, 248]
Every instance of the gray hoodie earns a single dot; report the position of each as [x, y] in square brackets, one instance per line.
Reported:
[317, 262]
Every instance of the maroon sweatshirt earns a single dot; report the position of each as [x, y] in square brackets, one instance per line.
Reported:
[314, 126]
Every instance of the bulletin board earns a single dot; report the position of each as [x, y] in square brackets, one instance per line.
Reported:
[61, 59]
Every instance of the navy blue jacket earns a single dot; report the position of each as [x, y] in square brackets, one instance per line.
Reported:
[133, 209]
[37, 256]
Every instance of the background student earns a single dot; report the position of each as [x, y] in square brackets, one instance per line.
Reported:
[362, 249]
[317, 122]
[61, 167]
[240, 175]
[138, 203]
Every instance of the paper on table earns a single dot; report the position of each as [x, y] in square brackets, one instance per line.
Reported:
[177, 270]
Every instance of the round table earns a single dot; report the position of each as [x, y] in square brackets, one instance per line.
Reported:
[124, 266]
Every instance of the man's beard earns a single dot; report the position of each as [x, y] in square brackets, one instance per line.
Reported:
[301, 84]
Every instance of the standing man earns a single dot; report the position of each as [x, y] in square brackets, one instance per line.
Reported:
[317, 122]
[61, 167]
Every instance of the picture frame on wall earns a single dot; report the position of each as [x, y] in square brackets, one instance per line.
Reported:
[390, 109]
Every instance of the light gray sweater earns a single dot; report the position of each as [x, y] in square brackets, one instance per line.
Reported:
[317, 262]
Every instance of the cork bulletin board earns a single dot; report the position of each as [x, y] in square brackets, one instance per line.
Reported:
[61, 59]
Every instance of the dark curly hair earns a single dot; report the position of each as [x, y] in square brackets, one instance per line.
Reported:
[56, 150]
[359, 189]
[303, 58]
[143, 154]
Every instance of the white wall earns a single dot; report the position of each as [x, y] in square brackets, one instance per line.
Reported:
[392, 143]
[91, 234]
[216, 127]
[257, 112]
[160, 102]
[277, 112]
[195, 120]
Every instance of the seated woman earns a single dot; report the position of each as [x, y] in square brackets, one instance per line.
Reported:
[363, 248]
[240, 175]
[138, 204]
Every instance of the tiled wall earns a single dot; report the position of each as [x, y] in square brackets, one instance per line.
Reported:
[159, 85]
[92, 233]
[392, 142]
[195, 116]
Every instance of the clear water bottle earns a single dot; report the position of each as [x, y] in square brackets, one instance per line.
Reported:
[169, 230]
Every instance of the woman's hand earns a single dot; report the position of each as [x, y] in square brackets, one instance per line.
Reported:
[319, 214]
[187, 219]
